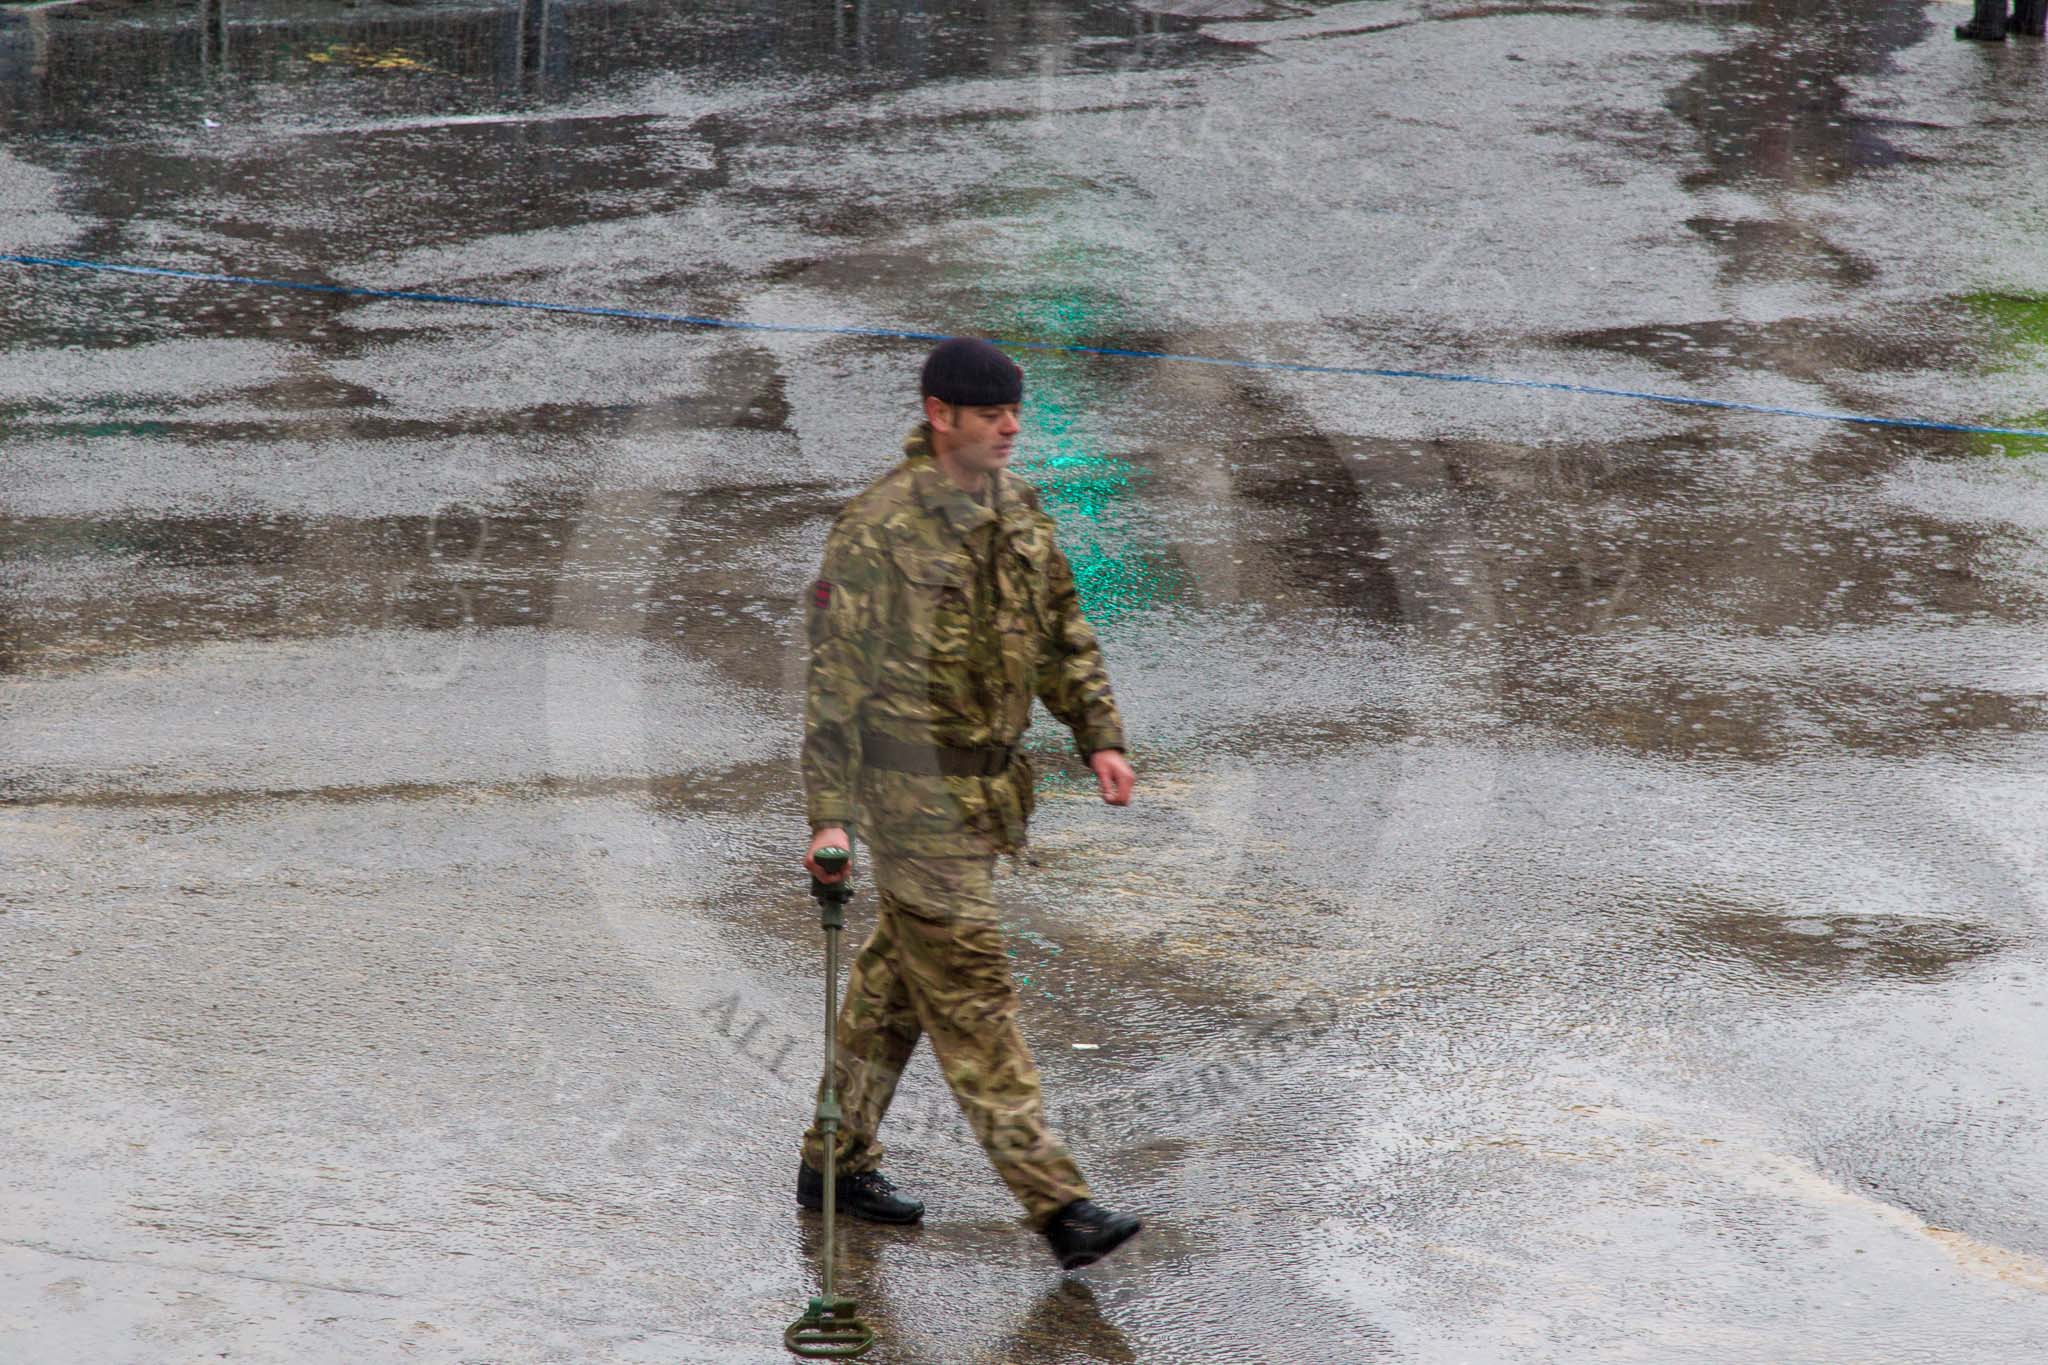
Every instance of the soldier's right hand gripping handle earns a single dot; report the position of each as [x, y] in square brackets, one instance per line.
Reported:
[832, 896]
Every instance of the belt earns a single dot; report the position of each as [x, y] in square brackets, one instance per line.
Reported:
[933, 760]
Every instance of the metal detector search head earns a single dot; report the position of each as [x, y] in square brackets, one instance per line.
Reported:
[828, 1330]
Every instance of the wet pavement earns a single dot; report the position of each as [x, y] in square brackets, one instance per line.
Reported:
[1585, 900]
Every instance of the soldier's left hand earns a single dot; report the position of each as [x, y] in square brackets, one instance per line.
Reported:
[1113, 774]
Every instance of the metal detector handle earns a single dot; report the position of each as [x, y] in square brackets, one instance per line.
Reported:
[832, 896]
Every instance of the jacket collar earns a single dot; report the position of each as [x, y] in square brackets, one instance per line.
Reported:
[962, 511]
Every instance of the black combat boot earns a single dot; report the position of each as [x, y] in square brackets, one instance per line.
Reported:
[865, 1194]
[1082, 1233]
[1987, 25]
[2029, 18]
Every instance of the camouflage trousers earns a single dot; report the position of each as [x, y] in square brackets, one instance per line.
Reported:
[935, 965]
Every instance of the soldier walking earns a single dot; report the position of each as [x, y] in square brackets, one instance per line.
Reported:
[943, 608]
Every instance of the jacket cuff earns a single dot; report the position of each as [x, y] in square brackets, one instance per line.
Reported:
[822, 815]
[1099, 737]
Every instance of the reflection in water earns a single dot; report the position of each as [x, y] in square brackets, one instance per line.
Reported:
[1064, 1322]
[1816, 351]
[2021, 324]
[1818, 953]
[1084, 487]
[1773, 111]
[1750, 589]
[88, 592]
[1313, 529]
[100, 64]
[1773, 107]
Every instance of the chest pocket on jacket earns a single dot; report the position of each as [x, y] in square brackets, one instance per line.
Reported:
[936, 620]
[1024, 586]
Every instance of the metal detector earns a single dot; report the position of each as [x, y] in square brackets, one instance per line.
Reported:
[830, 1329]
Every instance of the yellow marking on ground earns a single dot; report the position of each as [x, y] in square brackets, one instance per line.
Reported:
[370, 59]
[1778, 1174]
[2011, 1267]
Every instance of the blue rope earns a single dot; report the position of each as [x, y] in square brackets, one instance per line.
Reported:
[897, 334]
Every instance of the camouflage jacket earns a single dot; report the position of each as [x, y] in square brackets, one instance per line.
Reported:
[935, 621]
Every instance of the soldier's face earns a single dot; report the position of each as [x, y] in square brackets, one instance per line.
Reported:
[976, 441]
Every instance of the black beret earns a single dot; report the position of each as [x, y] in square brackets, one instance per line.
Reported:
[972, 374]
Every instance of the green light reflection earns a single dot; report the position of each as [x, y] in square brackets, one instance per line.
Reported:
[1086, 489]
[2023, 319]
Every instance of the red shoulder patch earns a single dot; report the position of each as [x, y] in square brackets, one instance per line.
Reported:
[821, 594]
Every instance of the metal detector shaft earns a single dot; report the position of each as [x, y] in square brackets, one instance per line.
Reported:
[831, 1328]
[833, 913]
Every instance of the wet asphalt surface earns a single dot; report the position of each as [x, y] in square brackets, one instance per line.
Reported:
[1585, 900]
